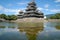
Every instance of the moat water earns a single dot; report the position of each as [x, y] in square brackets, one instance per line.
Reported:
[14, 31]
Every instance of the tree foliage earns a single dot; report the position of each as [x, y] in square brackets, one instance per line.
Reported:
[56, 16]
[8, 17]
[11, 17]
[3, 16]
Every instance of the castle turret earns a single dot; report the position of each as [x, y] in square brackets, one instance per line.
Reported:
[20, 14]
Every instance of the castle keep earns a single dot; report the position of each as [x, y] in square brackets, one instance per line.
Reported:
[31, 11]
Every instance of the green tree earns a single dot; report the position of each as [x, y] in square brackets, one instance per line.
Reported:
[56, 16]
[53, 17]
[11, 17]
[3, 16]
[8, 17]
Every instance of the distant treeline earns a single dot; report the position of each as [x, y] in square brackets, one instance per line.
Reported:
[8, 17]
[55, 16]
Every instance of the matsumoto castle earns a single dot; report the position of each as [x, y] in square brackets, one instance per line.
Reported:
[31, 11]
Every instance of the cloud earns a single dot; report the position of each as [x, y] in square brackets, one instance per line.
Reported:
[47, 9]
[16, 11]
[1, 7]
[57, 0]
[43, 9]
[46, 6]
[10, 10]
[22, 3]
[6, 10]
[55, 10]
[40, 8]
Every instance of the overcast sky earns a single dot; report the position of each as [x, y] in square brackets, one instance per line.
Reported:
[10, 7]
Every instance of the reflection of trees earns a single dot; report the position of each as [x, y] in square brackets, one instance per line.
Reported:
[31, 32]
[57, 27]
[2, 26]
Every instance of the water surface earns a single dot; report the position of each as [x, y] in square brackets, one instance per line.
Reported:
[37, 31]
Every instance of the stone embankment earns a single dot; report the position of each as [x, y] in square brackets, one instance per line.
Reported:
[30, 20]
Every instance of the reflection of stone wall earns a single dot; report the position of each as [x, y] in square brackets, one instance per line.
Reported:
[30, 20]
[57, 27]
[31, 32]
[30, 24]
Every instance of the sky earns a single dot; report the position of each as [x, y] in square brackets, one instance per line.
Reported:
[12, 7]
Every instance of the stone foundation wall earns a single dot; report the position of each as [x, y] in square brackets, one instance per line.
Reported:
[30, 20]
